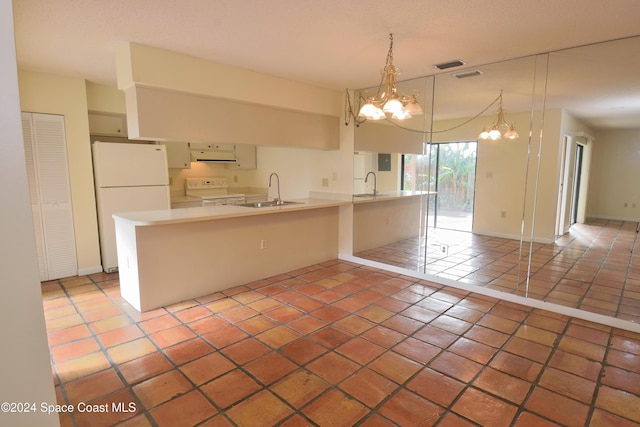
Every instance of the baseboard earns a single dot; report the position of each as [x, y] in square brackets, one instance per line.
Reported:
[614, 218]
[515, 237]
[90, 270]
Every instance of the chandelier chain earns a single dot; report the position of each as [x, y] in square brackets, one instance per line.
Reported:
[385, 71]
[498, 98]
[390, 52]
[390, 103]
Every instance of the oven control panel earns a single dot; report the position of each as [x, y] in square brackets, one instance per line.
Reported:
[206, 183]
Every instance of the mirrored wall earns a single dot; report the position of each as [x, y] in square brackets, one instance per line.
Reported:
[552, 215]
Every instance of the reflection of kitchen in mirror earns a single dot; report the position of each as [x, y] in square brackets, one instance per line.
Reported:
[552, 215]
[375, 173]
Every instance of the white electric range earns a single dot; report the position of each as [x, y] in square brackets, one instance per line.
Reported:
[212, 191]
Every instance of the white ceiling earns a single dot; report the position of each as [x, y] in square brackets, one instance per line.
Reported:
[327, 43]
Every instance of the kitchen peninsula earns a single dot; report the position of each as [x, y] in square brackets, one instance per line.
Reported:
[169, 256]
[386, 218]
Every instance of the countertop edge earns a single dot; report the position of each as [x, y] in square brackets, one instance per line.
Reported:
[391, 196]
[212, 213]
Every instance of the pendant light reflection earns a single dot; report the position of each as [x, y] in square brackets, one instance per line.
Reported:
[494, 133]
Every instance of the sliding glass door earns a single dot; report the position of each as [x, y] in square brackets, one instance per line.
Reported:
[452, 174]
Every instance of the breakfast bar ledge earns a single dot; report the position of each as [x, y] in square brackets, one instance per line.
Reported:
[169, 256]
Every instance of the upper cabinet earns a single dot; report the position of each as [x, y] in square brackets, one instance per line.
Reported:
[205, 146]
[245, 157]
[171, 115]
[171, 96]
[178, 155]
[107, 124]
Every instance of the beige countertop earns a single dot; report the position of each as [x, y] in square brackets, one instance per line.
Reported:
[193, 214]
[389, 195]
[174, 216]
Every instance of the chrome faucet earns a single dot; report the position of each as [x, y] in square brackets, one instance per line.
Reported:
[278, 200]
[375, 182]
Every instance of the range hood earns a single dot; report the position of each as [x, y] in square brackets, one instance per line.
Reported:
[212, 153]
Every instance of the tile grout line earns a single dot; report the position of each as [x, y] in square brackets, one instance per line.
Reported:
[598, 382]
[112, 364]
[563, 248]
[628, 270]
[470, 384]
[296, 411]
[374, 287]
[533, 385]
[575, 261]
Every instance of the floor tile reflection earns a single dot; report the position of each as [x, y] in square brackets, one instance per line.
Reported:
[594, 267]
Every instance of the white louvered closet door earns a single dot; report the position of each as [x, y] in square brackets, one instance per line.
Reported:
[48, 173]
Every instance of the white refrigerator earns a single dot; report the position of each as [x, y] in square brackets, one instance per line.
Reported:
[129, 177]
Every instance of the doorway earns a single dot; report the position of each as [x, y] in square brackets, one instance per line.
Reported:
[563, 185]
[573, 164]
[449, 169]
[455, 177]
[577, 179]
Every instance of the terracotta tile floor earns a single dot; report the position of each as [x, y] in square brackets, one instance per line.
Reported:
[335, 344]
[594, 267]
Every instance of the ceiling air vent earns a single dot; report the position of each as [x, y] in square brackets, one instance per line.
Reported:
[450, 64]
[469, 73]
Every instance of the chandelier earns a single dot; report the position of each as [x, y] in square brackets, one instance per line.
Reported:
[388, 101]
[495, 132]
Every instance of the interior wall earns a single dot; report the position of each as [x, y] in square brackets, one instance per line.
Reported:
[49, 94]
[105, 99]
[613, 186]
[303, 171]
[334, 166]
[499, 188]
[381, 137]
[293, 166]
[389, 180]
[25, 367]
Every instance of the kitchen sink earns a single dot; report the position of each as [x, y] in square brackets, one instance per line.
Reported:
[267, 204]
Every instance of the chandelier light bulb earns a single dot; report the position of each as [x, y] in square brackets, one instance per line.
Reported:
[401, 115]
[495, 134]
[393, 106]
[366, 110]
[511, 133]
[370, 112]
[387, 102]
[412, 106]
[378, 114]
